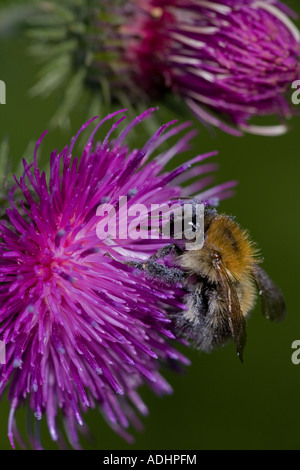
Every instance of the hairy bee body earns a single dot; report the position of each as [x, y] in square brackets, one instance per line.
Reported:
[221, 280]
[206, 318]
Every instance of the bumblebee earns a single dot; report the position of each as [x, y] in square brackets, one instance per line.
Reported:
[221, 281]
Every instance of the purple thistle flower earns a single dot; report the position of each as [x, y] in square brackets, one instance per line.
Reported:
[231, 60]
[80, 328]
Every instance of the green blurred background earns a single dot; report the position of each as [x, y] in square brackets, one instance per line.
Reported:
[218, 403]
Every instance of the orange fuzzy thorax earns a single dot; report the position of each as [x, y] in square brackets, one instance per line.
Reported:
[238, 254]
[227, 239]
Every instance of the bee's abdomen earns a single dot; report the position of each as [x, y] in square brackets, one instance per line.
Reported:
[205, 322]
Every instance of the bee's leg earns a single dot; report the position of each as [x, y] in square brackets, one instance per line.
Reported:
[157, 270]
[165, 251]
[165, 273]
[134, 264]
[170, 275]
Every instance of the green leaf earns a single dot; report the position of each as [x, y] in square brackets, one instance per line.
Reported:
[53, 75]
[74, 90]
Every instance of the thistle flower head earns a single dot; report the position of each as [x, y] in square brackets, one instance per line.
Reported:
[80, 328]
[229, 60]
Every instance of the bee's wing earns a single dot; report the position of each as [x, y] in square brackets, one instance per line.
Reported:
[237, 322]
[273, 304]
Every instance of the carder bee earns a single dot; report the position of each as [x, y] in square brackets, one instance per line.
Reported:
[220, 280]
